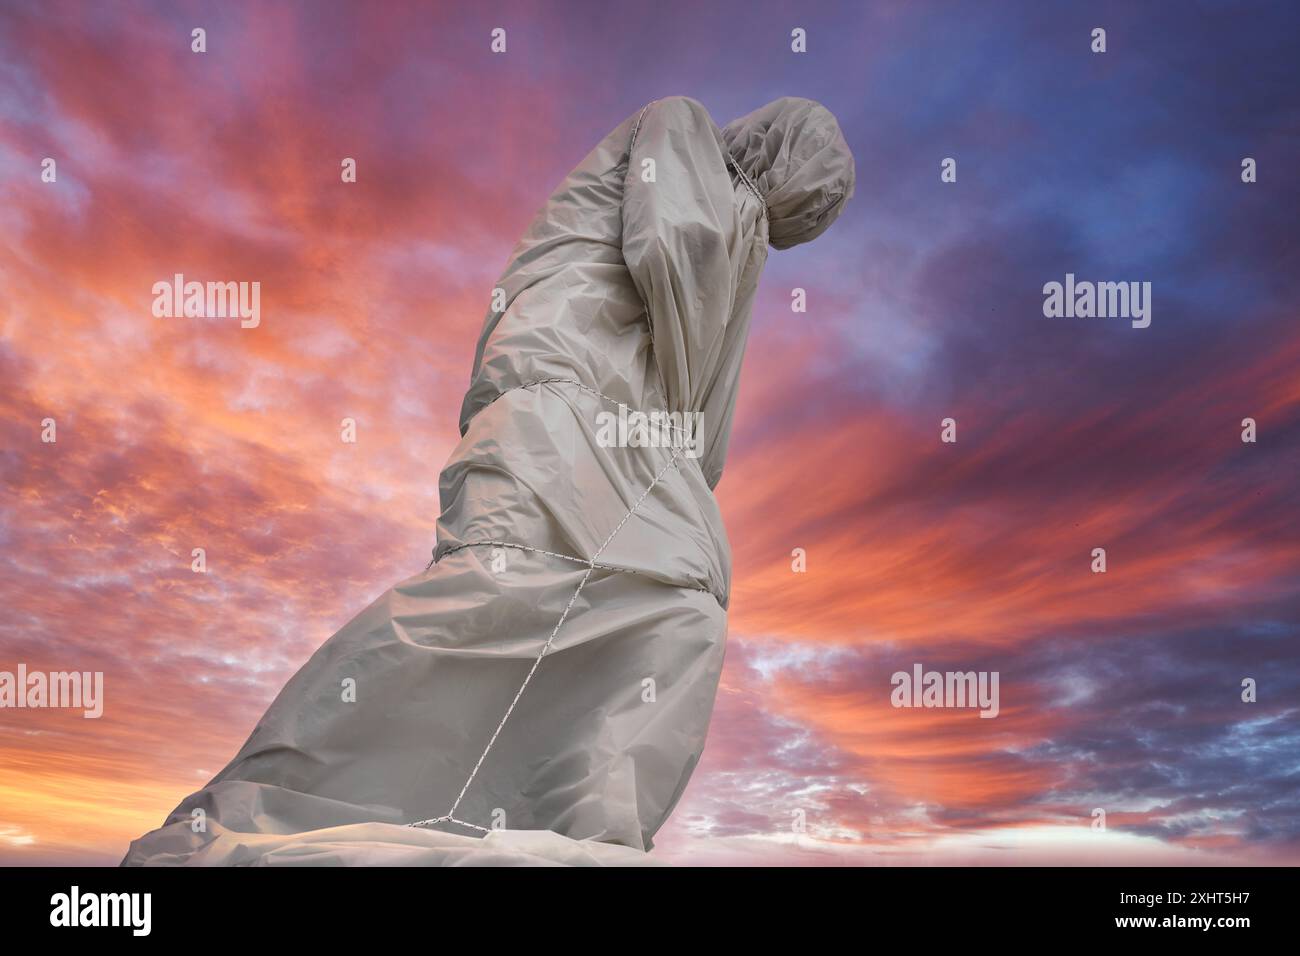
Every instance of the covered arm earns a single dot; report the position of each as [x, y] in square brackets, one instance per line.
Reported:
[681, 241]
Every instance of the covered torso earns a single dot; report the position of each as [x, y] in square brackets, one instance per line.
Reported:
[610, 249]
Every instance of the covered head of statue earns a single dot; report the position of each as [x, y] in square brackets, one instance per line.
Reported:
[541, 692]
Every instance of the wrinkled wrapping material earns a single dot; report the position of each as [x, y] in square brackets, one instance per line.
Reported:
[621, 291]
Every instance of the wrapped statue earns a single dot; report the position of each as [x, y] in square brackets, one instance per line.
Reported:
[543, 689]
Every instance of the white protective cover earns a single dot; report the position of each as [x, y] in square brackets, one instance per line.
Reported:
[554, 669]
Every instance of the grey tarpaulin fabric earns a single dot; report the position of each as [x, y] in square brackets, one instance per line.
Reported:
[578, 586]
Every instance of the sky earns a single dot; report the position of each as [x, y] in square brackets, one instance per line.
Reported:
[1120, 691]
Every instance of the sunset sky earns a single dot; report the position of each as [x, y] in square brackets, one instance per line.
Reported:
[1119, 691]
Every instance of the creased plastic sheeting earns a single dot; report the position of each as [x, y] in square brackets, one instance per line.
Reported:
[382, 844]
[633, 286]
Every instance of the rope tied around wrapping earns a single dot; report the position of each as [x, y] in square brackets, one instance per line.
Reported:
[762, 203]
[450, 815]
